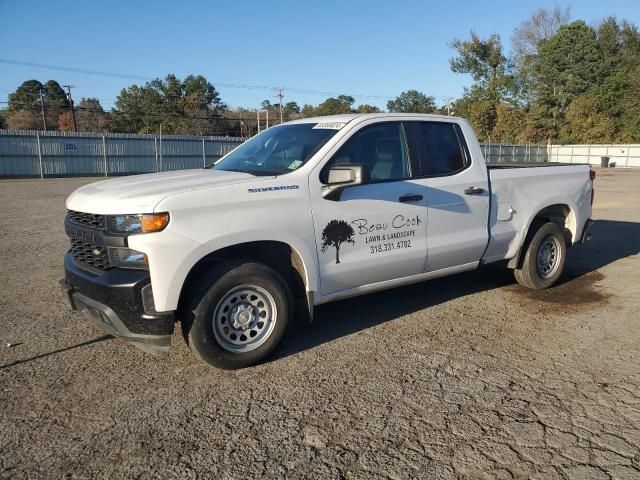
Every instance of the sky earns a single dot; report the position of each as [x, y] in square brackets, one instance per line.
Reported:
[372, 50]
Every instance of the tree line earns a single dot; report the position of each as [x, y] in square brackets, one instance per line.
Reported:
[190, 106]
[565, 81]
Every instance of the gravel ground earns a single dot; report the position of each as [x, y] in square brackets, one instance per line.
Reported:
[465, 377]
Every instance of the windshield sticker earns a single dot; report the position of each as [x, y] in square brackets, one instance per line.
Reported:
[329, 125]
[379, 238]
[273, 189]
[295, 164]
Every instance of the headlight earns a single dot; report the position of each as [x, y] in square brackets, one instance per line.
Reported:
[127, 258]
[144, 223]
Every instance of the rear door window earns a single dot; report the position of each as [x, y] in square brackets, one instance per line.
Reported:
[439, 148]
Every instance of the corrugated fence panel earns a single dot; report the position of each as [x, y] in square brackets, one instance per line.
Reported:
[19, 156]
[134, 155]
[180, 153]
[70, 156]
[219, 148]
[634, 156]
[621, 155]
[31, 154]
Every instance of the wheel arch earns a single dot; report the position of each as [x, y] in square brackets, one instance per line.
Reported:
[561, 214]
[279, 255]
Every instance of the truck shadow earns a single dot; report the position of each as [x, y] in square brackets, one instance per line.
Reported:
[611, 241]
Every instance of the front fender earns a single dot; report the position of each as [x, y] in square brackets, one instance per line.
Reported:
[172, 256]
[303, 246]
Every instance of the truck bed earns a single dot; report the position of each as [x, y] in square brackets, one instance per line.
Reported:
[520, 190]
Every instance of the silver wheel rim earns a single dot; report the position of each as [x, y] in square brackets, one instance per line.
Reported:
[244, 318]
[548, 257]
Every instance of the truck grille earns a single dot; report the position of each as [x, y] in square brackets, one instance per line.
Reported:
[88, 219]
[90, 254]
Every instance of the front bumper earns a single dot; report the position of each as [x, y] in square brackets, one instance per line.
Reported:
[120, 303]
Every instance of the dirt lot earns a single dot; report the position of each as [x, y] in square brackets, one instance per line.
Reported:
[465, 377]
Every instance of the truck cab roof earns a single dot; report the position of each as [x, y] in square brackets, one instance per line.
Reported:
[349, 117]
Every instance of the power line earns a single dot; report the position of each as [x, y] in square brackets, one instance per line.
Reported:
[223, 84]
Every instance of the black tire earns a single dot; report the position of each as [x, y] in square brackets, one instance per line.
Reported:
[217, 286]
[531, 274]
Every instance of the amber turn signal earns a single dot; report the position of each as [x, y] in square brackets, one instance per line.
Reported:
[154, 222]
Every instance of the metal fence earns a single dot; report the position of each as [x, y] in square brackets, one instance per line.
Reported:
[58, 154]
[511, 153]
[623, 155]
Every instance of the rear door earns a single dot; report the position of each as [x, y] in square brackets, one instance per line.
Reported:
[457, 195]
[373, 232]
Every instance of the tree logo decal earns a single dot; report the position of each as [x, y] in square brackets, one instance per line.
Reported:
[335, 234]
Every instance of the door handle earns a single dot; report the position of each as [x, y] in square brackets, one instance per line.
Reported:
[474, 191]
[410, 198]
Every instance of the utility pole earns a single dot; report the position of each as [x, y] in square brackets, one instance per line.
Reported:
[73, 113]
[448, 103]
[160, 145]
[44, 117]
[280, 95]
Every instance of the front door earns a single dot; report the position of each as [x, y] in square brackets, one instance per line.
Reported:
[373, 232]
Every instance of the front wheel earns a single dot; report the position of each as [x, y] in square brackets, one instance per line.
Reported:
[544, 258]
[239, 315]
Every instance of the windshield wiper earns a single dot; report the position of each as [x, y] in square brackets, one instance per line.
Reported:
[256, 173]
[239, 170]
[266, 173]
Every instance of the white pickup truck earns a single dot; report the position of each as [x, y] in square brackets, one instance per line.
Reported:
[305, 213]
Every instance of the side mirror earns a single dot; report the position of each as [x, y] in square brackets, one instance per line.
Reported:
[343, 176]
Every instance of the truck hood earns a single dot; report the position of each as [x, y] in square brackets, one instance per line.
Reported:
[141, 193]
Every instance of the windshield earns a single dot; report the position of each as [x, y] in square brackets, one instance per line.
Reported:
[277, 150]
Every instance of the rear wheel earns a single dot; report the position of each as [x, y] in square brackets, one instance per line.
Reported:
[238, 316]
[544, 258]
